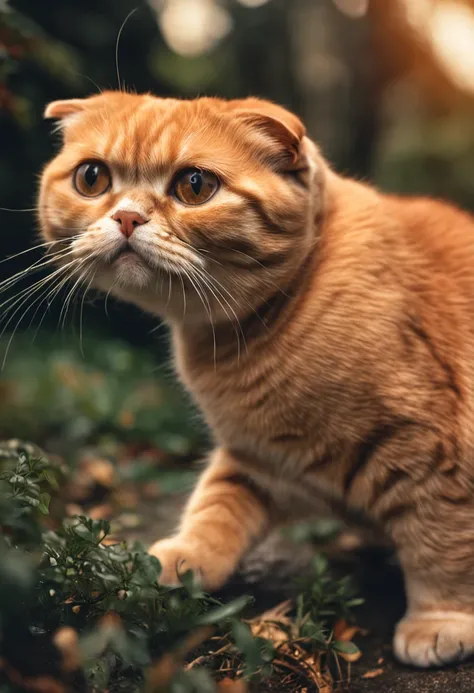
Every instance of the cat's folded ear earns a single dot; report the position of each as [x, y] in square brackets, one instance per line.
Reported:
[275, 128]
[63, 109]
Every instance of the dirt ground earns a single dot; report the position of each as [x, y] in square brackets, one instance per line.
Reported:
[268, 574]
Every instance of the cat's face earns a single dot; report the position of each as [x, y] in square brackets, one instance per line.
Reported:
[188, 208]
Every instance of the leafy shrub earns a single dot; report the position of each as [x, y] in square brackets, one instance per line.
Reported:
[54, 392]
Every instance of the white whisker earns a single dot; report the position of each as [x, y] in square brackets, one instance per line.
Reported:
[117, 45]
[184, 296]
[38, 284]
[28, 250]
[211, 282]
[36, 266]
[69, 296]
[22, 303]
[81, 314]
[207, 306]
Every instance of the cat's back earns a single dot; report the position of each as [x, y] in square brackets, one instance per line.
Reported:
[439, 233]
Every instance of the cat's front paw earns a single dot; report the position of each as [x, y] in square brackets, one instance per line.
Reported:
[178, 555]
[432, 639]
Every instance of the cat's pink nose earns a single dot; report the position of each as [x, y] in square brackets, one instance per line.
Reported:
[128, 221]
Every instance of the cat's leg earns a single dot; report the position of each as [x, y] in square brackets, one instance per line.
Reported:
[226, 513]
[437, 558]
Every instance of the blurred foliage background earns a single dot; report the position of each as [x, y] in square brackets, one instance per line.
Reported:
[385, 86]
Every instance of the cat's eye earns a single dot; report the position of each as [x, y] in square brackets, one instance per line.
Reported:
[194, 186]
[92, 179]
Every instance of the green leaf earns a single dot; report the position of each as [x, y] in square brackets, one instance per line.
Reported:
[44, 501]
[255, 650]
[50, 477]
[343, 647]
[320, 564]
[221, 613]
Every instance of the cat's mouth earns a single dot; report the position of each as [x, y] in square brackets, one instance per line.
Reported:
[126, 254]
[130, 257]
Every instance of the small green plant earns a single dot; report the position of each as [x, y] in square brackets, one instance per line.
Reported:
[323, 604]
[107, 595]
[27, 480]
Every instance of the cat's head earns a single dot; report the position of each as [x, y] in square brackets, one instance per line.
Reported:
[198, 208]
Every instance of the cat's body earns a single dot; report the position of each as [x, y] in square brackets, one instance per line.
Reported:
[332, 352]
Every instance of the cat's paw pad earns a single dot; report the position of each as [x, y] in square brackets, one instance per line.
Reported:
[177, 556]
[432, 639]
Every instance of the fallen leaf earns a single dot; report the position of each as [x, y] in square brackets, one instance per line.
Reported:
[372, 674]
[99, 470]
[73, 509]
[126, 497]
[66, 640]
[347, 650]
[100, 512]
[349, 541]
[151, 490]
[160, 674]
[232, 686]
[129, 520]
[126, 419]
[274, 624]
[345, 632]
[111, 620]
[110, 540]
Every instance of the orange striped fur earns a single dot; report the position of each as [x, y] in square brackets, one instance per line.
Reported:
[325, 329]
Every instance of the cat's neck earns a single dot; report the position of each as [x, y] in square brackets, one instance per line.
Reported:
[239, 341]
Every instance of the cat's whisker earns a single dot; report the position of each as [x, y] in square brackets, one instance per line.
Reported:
[207, 306]
[24, 209]
[32, 286]
[67, 302]
[9, 209]
[107, 299]
[81, 313]
[270, 284]
[28, 250]
[220, 287]
[49, 296]
[252, 308]
[44, 295]
[240, 252]
[210, 258]
[29, 291]
[44, 261]
[247, 303]
[11, 302]
[36, 266]
[22, 303]
[132, 12]
[101, 91]
[184, 295]
[169, 290]
[206, 277]
[50, 292]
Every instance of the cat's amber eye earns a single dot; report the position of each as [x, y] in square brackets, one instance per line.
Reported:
[92, 179]
[194, 187]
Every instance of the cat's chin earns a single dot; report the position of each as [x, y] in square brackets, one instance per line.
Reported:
[130, 270]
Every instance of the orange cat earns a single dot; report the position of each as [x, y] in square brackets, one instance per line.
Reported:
[326, 331]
